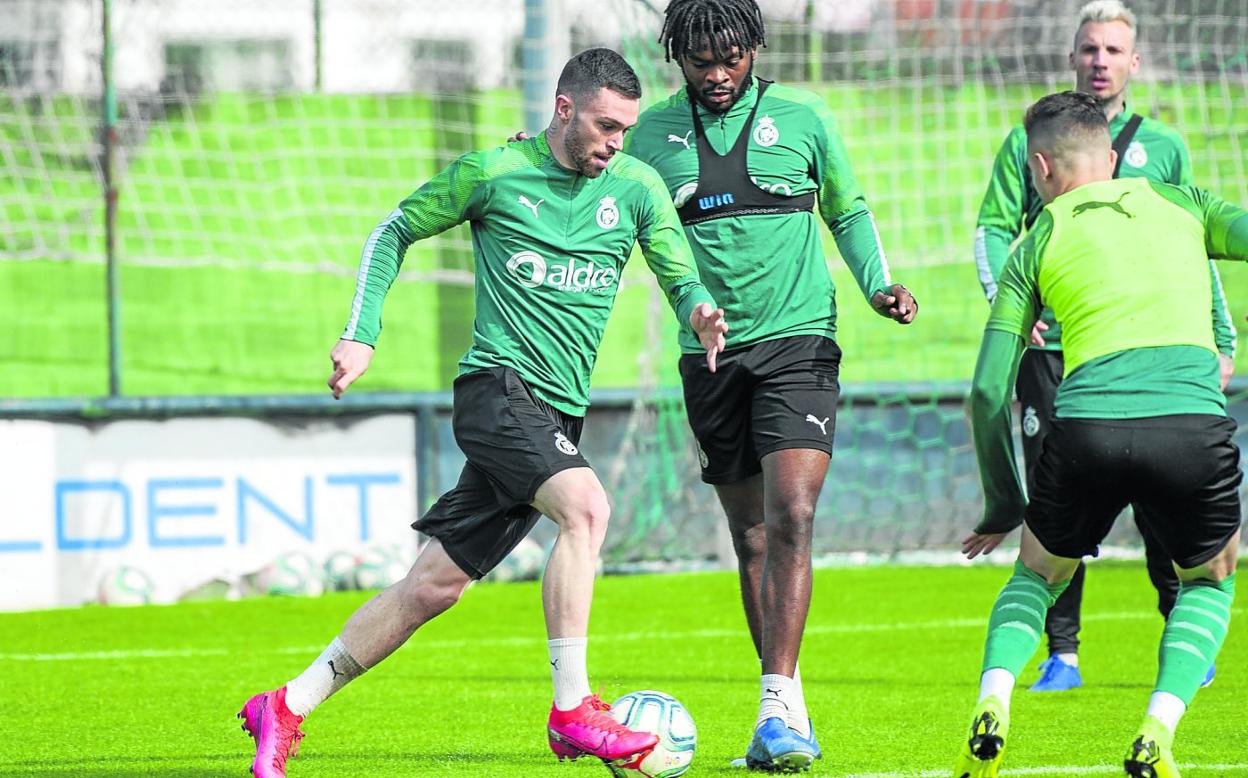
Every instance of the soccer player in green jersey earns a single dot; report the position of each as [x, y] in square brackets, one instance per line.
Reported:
[1104, 57]
[554, 219]
[753, 167]
[1139, 415]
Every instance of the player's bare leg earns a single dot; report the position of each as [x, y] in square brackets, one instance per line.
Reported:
[579, 723]
[792, 479]
[743, 505]
[385, 622]
[373, 632]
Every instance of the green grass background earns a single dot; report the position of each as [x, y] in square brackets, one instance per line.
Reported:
[256, 207]
[890, 663]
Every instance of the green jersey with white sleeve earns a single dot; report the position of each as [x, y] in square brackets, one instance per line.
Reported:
[549, 245]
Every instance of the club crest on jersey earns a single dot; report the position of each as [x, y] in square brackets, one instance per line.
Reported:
[608, 215]
[1136, 155]
[564, 445]
[1031, 422]
[765, 132]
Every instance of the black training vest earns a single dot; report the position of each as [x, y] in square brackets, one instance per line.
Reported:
[724, 185]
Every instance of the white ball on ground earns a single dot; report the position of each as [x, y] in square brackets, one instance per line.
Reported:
[662, 714]
[291, 573]
[524, 563]
[339, 569]
[377, 568]
[125, 585]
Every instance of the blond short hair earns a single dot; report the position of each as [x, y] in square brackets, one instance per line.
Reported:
[1107, 11]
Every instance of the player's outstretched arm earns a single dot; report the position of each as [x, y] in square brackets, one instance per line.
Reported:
[709, 325]
[995, 371]
[350, 359]
[897, 304]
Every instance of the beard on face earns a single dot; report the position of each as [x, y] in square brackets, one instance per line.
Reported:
[736, 93]
[577, 149]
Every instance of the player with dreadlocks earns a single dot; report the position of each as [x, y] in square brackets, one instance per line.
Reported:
[750, 164]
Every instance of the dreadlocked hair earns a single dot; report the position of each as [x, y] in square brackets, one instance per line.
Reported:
[691, 25]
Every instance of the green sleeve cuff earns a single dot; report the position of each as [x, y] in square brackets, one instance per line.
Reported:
[991, 428]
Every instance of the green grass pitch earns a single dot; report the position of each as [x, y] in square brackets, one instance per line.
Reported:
[890, 660]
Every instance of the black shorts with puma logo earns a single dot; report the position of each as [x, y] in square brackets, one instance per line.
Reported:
[765, 397]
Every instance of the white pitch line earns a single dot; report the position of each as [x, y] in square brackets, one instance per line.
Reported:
[649, 636]
[1108, 769]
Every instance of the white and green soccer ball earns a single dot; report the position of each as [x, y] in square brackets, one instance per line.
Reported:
[524, 563]
[662, 714]
[339, 569]
[125, 585]
[379, 567]
[291, 573]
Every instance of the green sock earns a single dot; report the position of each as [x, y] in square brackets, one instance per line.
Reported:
[1193, 635]
[1017, 620]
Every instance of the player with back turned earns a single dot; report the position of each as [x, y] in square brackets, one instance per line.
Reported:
[1104, 57]
[1139, 415]
[554, 218]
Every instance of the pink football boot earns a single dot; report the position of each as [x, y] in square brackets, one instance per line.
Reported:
[588, 729]
[275, 729]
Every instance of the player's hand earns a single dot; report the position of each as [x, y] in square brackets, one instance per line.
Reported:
[521, 135]
[709, 326]
[975, 544]
[351, 359]
[897, 304]
[1037, 332]
[1226, 369]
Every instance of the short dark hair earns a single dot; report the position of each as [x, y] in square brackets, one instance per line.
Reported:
[595, 69]
[1065, 122]
[691, 25]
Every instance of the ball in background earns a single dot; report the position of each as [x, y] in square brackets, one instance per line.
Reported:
[378, 567]
[291, 573]
[125, 585]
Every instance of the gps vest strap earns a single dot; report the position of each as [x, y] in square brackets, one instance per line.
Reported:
[724, 184]
[1124, 139]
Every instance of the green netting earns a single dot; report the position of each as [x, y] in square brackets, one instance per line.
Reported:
[250, 175]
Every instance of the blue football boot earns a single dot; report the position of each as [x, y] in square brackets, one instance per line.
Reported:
[1213, 670]
[778, 749]
[1057, 676]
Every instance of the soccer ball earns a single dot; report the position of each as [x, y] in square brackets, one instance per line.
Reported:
[291, 573]
[377, 568]
[125, 585]
[651, 711]
[524, 563]
[339, 571]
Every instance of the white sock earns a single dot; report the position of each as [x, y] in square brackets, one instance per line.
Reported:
[798, 718]
[567, 671]
[1166, 708]
[332, 670]
[997, 682]
[777, 698]
[1070, 659]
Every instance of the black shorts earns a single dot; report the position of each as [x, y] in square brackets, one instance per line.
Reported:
[513, 442]
[762, 398]
[1184, 469]
[1039, 375]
